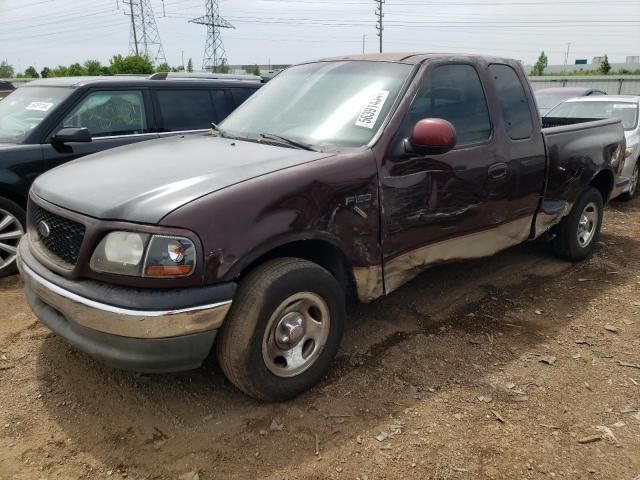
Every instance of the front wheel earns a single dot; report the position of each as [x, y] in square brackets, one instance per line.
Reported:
[12, 221]
[577, 233]
[283, 330]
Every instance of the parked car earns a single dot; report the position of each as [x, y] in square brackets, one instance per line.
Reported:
[622, 107]
[5, 89]
[52, 121]
[547, 98]
[340, 177]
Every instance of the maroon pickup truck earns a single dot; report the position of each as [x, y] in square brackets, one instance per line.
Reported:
[341, 178]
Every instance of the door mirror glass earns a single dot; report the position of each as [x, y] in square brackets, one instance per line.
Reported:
[74, 134]
[431, 136]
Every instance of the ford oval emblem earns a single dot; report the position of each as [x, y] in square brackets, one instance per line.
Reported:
[43, 229]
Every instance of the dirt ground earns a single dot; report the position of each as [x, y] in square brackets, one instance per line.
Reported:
[518, 366]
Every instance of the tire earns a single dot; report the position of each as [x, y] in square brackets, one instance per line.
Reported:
[628, 196]
[283, 300]
[578, 232]
[12, 227]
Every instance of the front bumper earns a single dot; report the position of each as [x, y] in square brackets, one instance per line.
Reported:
[102, 320]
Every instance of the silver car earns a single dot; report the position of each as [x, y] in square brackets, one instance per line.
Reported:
[624, 107]
[548, 98]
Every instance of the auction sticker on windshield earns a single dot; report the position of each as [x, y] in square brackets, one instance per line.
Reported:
[40, 106]
[369, 114]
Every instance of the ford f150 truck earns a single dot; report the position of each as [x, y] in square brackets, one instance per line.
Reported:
[340, 178]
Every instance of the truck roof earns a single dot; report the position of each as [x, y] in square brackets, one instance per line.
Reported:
[413, 58]
[133, 80]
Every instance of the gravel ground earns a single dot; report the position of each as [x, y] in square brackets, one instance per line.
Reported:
[518, 366]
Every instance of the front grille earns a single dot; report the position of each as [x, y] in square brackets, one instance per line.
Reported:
[65, 236]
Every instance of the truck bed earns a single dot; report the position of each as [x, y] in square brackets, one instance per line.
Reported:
[549, 122]
[576, 149]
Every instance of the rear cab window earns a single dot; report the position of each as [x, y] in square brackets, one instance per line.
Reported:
[513, 101]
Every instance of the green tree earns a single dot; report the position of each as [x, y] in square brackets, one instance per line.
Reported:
[541, 64]
[93, 67]
[45, 72]
[60, 71]
[190, 65]
[130, 65]
[31, 72]
[6, 70]
[222, 68]
[255, 70]
[77, 70]
[605, 66]
[163, 67]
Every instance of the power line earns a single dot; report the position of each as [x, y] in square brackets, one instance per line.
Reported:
[214, 53]
[145, 37]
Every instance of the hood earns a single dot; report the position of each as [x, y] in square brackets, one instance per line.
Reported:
[146, 181]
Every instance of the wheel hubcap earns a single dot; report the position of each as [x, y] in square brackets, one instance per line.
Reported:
[296, 334]
[588, 224]
[11, 231]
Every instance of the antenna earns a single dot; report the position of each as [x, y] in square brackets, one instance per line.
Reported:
[214, 53]
[145, 38]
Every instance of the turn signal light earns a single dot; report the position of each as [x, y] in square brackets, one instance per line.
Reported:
[168, 270]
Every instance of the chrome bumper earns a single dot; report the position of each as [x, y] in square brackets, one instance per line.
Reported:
[106, 318]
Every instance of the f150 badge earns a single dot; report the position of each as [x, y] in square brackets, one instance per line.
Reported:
[358, 202]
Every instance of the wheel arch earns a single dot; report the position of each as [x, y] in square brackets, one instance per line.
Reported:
[323, 252]
[603, 181]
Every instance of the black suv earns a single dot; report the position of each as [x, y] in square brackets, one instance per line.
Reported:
[52, 121]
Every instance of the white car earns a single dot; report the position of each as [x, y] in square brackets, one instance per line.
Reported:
[624, 107]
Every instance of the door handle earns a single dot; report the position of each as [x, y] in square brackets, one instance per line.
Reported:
[498, 171]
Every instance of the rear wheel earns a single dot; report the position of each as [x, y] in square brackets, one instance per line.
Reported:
[633, 185]
[577, 233]
[283, 329]
[12, 221]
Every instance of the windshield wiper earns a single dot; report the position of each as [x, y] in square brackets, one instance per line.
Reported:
[288, 141]
[216, 128]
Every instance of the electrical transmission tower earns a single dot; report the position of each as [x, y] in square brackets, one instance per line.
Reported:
[380, 16]
[214, 54]
[145, 38]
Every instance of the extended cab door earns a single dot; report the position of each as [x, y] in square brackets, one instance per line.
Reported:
[465, 203]
[114, 117]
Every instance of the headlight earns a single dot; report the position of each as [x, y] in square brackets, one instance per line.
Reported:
[144, 255]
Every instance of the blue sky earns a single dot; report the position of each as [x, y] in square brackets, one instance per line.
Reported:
[51, 32]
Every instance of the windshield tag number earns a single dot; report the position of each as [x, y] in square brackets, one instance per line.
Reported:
[40, 106]
[369, 114]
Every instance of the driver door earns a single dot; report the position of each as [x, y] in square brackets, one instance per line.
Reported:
[443, 207]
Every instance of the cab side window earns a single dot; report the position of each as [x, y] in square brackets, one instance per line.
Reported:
[513, 101]
[109, 113]
[454, 93]
[183, 110]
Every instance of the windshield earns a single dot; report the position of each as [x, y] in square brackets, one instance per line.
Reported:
[626, 112]
[339, 104]
[25, 108]
[550, 100]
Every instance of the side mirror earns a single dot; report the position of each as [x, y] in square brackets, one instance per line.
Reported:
[73, 134]
[431, 136]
